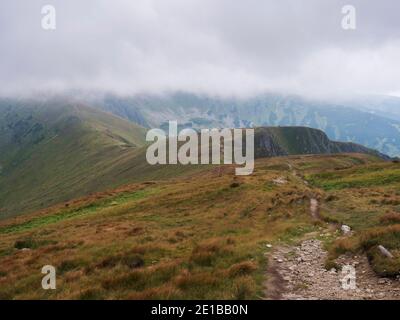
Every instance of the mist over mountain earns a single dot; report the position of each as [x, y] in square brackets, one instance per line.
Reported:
[367, 122]
[385, 106]
[209, 64]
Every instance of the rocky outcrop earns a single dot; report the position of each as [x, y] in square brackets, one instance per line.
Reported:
[283, 141]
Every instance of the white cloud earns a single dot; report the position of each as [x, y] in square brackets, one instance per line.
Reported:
[211, 46]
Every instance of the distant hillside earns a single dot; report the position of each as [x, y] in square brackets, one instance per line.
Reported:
[283, 141]
[53, 151]
[56, 151]
[340, 121]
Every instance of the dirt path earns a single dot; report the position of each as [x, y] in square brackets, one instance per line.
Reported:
[298, 273]
[302, 275]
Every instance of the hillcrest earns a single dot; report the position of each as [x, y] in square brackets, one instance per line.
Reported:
[195, 147]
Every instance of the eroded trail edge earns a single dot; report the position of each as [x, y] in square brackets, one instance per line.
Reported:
[298, 273]
[304, 276]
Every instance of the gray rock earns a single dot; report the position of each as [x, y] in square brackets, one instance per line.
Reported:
[385, 252]
[346, 230]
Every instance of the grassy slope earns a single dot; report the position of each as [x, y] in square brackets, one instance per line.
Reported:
[367, 198]
[305, 140]
[297, 140]
[185, 238]
[56, 152]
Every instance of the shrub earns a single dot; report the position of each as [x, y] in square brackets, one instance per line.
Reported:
[242, 269]
[25, 243]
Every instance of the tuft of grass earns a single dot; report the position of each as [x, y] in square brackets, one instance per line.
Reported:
[242, 269]
[390, 218]
[206, 254]
[244, 288]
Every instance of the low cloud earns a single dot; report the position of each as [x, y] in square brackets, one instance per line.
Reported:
[218, 47]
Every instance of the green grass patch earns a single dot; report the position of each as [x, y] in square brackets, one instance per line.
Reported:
[76, 212]
[360, 178]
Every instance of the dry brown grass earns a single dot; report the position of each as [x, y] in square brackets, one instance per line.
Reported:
[390, 218]
[242, 268]
[195, 237]
[244, 288]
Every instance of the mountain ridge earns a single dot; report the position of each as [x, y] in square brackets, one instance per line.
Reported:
[56, 151]
[284, 141]
[341, 121]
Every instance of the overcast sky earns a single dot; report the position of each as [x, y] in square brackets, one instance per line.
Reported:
[223, 47]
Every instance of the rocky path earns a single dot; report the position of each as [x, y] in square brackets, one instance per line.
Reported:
[298, 272]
